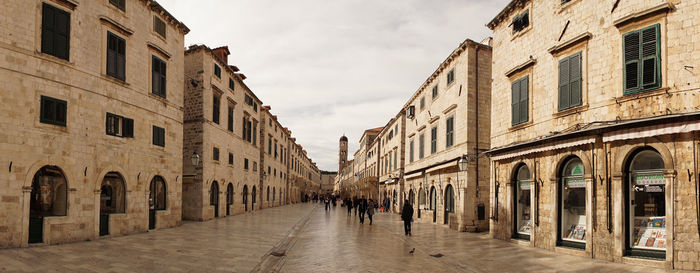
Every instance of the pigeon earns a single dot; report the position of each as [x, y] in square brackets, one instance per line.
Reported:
[412, 250]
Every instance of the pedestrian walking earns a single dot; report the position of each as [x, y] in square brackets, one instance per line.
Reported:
[328, 203]
[355, 204]
[407, 217]
[370, 210]
[348, 203]
[362, 208]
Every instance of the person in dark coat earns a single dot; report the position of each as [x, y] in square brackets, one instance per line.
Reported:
[370, 210]
[362, 208]
[355, 204]
[327, 201]
[407, 217]
[348, 203]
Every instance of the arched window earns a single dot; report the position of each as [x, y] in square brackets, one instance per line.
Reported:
[253, 195]
[229, 194]
[157, 196]
[49, 195]
[646, 205]
[449, 199]
[522, 189]
[572, 204]
[421, 199]
[433, 198]
[267, 194]
[245, 194]
[273, 194]
[214, 194]
[411, 197]
[112, 194]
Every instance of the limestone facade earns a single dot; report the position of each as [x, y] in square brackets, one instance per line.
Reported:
[78, 118]
[446, 122]
[274, 159]
[608, 89]
[360, 176]
[391, 162]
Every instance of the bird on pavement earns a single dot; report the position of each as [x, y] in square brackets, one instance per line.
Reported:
[412, 250]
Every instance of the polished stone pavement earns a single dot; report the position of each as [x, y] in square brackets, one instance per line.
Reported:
[299, 238]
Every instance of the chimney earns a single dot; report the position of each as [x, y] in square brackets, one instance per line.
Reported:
[222, 53]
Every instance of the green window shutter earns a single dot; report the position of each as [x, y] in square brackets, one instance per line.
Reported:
[128, 127]
[515, 103]
[524, 99]
[564, 84]
[650, 52]
[575, 80]
[631, 68]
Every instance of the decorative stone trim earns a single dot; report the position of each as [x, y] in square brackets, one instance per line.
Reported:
[158, 49]
[521, 67]
[121, 28]
[665, 7]
[570, 43]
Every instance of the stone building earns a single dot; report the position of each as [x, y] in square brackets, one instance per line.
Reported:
[360, 175]
[327, 178]
[222, 125]
[273, 158]
[595, 144]
[446, 130]
[91, 119]
[391, 162]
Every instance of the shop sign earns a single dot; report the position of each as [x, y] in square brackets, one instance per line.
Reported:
[652, 179]
[576, 183]
[653, 189]
[525, 185]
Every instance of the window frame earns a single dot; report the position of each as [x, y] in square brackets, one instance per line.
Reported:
[217, 70]
[117, 73]
[157, 22]
[120, 4]
[58, 105]
[451, 76]
[125, 127]
[520, 102]
[215, 154]
[569, 81]
[54, 33]
[449, 132]
[433, 140]
[158, 136]
[161, 74]
[641, 60]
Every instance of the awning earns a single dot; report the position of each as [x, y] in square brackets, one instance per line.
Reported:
[546, 147]
[654, 130]
[413, 175]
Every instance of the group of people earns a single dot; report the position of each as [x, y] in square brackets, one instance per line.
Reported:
[328, 200]
[363, 205]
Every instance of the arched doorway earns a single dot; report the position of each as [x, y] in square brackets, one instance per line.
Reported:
[421, 201]
[572, 204]
[522, 222]
[267, 196]
[274, 195]
[449, 203]
[281, 198]
[156, 200]
[253, 195]
[645, 204]
[229, 198]
[214, 198]
[411, 197]
[245, 197]
[49, 197]
[433, 203]
[112, 199]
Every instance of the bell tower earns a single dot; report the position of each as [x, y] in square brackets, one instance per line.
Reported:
[342, 153]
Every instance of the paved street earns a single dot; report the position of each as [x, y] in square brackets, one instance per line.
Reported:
[298, 238]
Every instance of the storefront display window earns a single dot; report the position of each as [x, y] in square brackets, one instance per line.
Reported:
[573, 204]
[647, 205]
[523, 185]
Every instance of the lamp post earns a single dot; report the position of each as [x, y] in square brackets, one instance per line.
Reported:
[461, 166]
[195, 159]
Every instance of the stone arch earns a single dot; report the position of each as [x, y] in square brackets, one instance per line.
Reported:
[34, 168]
[109, 169]
[564, 158]
[624, 155]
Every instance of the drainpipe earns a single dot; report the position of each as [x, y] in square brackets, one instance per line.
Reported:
[697, 185]
[476, 101]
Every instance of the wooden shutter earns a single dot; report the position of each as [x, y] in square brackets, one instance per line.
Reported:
[111, 55]
[155, 75]
[55, 31]
[564, 84]
[650, 50]
[162, 78]
[155, 135]
[575, 80]
[515, 103]
[47, 29]
[121, 58]
[128, 127]
[631, 53]
[524, 99]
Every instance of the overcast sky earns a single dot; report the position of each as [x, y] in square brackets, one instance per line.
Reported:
[334, 67]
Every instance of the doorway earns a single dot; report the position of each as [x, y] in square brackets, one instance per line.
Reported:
[49, 197]
[156, 200]
[112, 199]
[214, 198]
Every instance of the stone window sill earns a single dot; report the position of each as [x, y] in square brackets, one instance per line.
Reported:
[520, 126]
[642, 94]
[571, 111]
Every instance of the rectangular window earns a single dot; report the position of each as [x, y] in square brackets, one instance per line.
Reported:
[245, 129]
[217, 71]
[435, 91]
[395, 165]
[121, 4]
[230, 118]
[215, 154]
[216, 105]
[255, 134]
[230, 158]
[422, 103]
[158, 76]
[521, 21]
[421, 146]
[449, 132]
[159, 26]
[158, 136]
[53, 111]
[570, 82]
[117, 125]
[410, 149]
[269, 145]
[245, 163]
[451, 76]
[433, 140]
[250, 131]
[116, 56]
[55, 31]
[519, 102]
[642, 54]
[275, 149]
[230, 84]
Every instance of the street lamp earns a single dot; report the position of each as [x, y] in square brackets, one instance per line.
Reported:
[195, 159]
[462, 163]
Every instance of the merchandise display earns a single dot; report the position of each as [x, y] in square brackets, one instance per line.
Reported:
[649, 233]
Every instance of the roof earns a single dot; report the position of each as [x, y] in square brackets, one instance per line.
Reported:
[505, 13]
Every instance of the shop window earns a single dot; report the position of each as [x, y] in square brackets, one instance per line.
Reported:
[53, 111]
[642, 59]
[519, 101]
[158, 76]
[117, 125]
[157, 195]
[49, 193]
[522, 218]
[646, 205]
[572, 205]
[55, 31]
[116, 56]
[521, 21]
[121, 4]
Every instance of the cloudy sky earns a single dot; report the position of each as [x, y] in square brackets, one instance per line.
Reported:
[334, 67]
